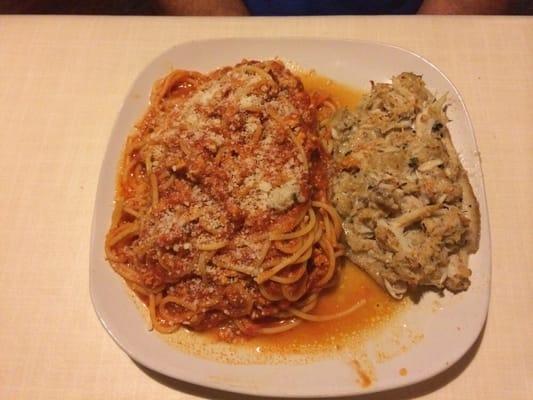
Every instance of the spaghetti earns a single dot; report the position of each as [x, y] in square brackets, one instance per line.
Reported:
[221, 217]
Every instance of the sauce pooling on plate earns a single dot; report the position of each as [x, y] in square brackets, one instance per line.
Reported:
[354, 284]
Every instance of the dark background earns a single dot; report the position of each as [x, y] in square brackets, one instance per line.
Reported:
[94, 7]
[132, 7]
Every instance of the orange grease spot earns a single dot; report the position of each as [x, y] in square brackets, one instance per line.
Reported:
[365, 380]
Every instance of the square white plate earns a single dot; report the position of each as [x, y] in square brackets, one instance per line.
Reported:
[442, 329]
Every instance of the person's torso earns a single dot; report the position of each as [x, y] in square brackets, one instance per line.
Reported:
[331, 7]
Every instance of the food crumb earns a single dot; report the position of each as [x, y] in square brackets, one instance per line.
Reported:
[403, 371]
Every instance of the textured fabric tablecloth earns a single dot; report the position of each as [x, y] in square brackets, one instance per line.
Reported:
[62, 81]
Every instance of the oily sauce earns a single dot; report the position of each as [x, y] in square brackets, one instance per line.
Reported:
[343, 95]
[354, 285]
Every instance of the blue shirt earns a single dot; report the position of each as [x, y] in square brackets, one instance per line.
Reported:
[332, 7]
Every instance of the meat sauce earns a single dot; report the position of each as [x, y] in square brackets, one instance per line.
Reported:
[353, 284]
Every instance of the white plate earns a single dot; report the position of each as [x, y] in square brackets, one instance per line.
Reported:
[440, 330]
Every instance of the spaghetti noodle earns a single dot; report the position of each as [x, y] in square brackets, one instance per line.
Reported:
[221, 217]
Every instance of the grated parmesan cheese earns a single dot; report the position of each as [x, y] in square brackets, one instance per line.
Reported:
[229, 174]
[284, 196]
